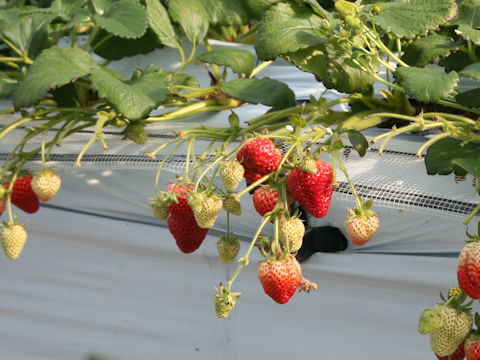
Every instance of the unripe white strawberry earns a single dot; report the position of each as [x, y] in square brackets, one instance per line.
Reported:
[224, 301]
[159, 207]
[13, 237]
[231, 174]
[232, 205]
[228, 248]
[291, 230]
[46, 183]
[456, 324]
[205, 208]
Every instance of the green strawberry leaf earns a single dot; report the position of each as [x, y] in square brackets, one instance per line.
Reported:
[469, 98]
[7, 85]
[125, 18]
[407, 19]
[257, 8]
[442, 157]
[472, 71]
[427, 85]
[264, 91]
[25, 31]
[287, 28]
[115, 48]
[428, 49]
[225, 12]
[70, 64]
[468, 20]
[241, 61]
[135, 98]
[470, 165]
[68, 7]
[192, 18]
[358, 141]
[160, 23]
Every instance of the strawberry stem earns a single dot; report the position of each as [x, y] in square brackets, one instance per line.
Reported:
[358, 201]
[157, 177]
[244, 261]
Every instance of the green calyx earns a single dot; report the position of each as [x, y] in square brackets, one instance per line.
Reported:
[429, 321]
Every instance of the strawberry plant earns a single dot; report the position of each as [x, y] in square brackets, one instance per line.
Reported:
[55, 69]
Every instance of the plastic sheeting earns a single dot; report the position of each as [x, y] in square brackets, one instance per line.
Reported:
[88, 284]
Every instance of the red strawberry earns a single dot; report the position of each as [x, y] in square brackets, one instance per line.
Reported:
[312, 191]
[23, 196]
[188, 235]
[472, 346]
[466, 269]
[459, 354]
[2, 207]
[180, 207]
[265, 199]
[259, 157]
[279, 278]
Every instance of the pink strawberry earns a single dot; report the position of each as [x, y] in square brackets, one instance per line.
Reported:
[259, 157]
[459, 354]
[180, 207]
[23, 196]
[361, 229]
[472, 347]
[312, 191]
[467, 267]
[188, 235]
[279, 278]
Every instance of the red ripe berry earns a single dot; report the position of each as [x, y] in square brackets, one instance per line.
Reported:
[2, 207]
[468, 270]
[23, 196]
[279, 278]
[188, 235]
[312, 191]
[265, 199]
[180, 207]
[472, 347]
[459, 354]
[259, 157]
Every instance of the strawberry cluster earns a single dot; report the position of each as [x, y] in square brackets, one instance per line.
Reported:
[26, 193]
[276, 181]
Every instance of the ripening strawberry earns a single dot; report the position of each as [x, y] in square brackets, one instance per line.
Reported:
[13, 237]
[459, 354]
[205, 208]
[231, 174]
[188, 235]
[361, 229]
[46, 184]
[312, 191]
[180, 207]
[472, 346]
[265, 199]
[23, 196]
[456, 324]
[228, 248]
[259, 157]
[279, 278]
[468, 270]
[291, 230]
